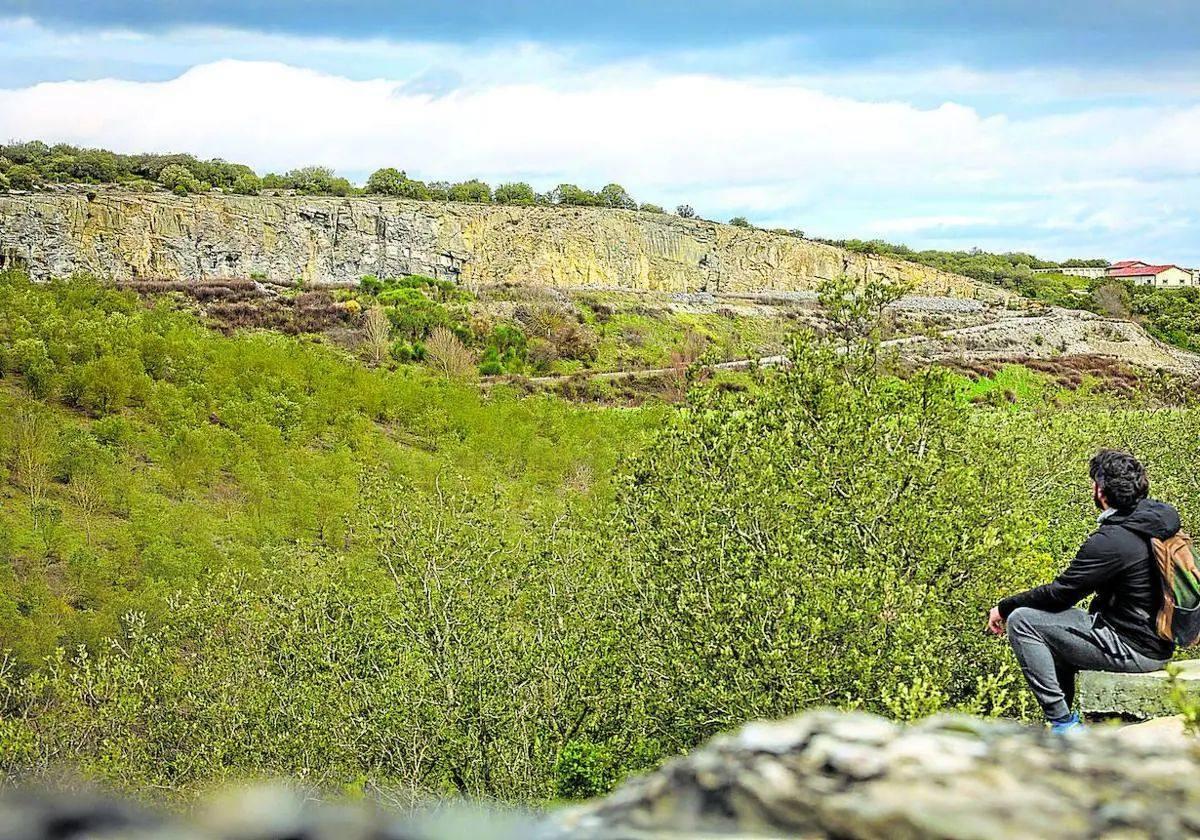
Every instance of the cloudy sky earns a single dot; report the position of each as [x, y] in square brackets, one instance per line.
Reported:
[1065, 128]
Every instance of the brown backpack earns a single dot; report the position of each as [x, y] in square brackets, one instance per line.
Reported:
[1179, 616]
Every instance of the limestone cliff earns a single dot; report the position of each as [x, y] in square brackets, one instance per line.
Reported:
[123, 235]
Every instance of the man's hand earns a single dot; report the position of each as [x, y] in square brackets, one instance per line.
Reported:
[995, 624]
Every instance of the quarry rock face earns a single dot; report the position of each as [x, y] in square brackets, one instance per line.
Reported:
[127, 236]
[820, 775]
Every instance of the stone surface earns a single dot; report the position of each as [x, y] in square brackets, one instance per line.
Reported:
[124, 235]
[1050, 334]
[1139, 696]
[1154, 732]
[827, 774]
[819, 775]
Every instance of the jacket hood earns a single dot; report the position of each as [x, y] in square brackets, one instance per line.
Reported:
[1150, 518]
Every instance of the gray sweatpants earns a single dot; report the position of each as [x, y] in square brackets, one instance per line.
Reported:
[1053, 646]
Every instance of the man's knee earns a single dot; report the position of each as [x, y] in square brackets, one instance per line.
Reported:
[1023, 619]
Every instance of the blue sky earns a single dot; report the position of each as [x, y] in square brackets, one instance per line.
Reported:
[1065, 128]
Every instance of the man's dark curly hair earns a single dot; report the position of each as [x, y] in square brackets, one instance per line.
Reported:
[1121, 478]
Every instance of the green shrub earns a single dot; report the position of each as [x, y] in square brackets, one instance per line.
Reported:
[23, 177]
[412, 314]
[519, 193]
[614, 195]
[249, 184]
[179, 179]
[394, 182]
[475, 191]
[583, 770]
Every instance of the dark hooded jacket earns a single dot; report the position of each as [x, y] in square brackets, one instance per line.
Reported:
[1116, 564]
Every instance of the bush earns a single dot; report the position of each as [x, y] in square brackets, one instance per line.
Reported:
[249, 184]
[377, 335]
[394, 182]
[828, 512]
[573, 196]
[412, 314]
[584, 770]
[446, 354]
[179, 179]
[614, 195]
[405, 351]
[518, 193]
[23, 177]
[474, 192]
[314, 180]
[740, 221]
[685, 211]
[108, 384]
[562, 329]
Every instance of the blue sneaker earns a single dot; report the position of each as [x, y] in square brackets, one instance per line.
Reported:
[1070, 725]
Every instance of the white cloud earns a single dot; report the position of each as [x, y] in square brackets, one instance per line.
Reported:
[778, 150]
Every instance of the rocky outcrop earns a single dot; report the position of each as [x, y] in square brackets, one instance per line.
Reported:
[128, 236]
[827, 774]
[1049, 334]
[820, 775]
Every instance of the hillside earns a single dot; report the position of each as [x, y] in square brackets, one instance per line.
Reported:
[251, 554]
[125, 235]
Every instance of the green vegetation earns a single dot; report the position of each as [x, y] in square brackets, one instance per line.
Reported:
[145, 450]
[252, 554]
[27, 166]
[1172, 315]
[1001, 269]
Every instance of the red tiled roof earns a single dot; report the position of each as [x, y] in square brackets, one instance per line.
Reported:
[1137, 270]
[1124, 263]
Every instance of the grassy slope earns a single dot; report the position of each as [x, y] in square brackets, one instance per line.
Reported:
[153, 451]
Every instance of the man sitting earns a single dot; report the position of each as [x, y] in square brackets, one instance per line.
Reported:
[1052, 639]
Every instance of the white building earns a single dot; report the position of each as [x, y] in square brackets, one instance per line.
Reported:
[1143, 274]
[1088, 271]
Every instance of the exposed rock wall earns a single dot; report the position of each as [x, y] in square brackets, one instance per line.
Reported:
[125, 235]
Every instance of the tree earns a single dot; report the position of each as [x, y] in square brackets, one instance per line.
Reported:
[472, 192]
[178, 179]
[107, 385]
[685, 211]
[377, 334]
[412, 313]
[573, 196]
[740, 221]
[651, 208]
[317, 180]
[516, 193]
[22, 176]
[614, 195]
[33, 437]
[447, 354]
[395, 182]
[1112, 298]
[247, 184]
